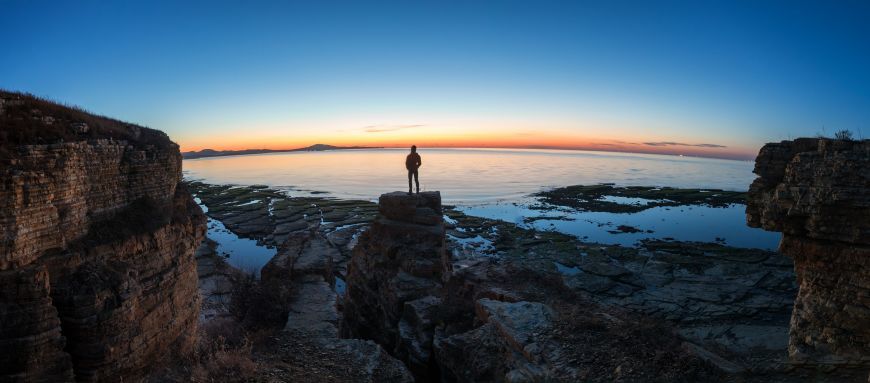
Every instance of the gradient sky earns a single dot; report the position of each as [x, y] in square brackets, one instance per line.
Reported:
[692, 77]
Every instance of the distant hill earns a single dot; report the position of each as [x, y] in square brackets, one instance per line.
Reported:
[313, 148]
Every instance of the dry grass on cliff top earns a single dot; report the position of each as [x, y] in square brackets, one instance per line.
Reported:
[26, 119]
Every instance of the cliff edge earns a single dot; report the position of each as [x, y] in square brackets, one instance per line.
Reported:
[816, 192]
[97, 238]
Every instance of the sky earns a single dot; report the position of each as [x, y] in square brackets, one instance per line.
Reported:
[708, 78]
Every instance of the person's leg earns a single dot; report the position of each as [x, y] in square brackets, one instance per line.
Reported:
[416, 180]
[410, 174]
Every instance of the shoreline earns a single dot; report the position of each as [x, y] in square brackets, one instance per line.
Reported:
[607, 214]
[692, 286]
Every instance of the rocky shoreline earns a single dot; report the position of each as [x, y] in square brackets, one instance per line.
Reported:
[106, 273]
[730, 306]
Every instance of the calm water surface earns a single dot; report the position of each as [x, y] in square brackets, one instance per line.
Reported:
[467, 175]
[495, 183]
[243, 253]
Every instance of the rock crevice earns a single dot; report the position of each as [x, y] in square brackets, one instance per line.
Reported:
[447, 325]
[395, 277]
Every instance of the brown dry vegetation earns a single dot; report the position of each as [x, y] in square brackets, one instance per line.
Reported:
[223, 354]
[226, 347]
[27, 120]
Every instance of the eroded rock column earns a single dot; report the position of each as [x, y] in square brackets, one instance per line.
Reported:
[817, 193]
[396, 275]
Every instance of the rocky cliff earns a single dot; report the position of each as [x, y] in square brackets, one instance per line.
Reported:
[97, 238]
[817, 193]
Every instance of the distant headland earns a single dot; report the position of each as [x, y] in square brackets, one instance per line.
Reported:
[313, 148]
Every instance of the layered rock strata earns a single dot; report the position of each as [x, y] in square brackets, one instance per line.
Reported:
[395, 275]
[98, 277]
[303, 284]
[817, 193]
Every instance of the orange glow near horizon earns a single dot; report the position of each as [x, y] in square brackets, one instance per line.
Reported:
[470, 140]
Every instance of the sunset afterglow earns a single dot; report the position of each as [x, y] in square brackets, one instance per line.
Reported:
[690, 78]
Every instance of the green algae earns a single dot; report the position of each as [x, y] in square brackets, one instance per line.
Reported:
[593, 198]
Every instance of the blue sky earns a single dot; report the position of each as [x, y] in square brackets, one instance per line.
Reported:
[238, 74]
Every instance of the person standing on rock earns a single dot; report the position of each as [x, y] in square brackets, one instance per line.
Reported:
[412, 163]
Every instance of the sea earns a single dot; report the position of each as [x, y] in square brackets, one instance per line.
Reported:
[499, 184]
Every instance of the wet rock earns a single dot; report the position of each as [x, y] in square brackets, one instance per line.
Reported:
[269, 216]
[625, 229]
[817, 193]
[292, 226]
[335, 216]
[638, 198]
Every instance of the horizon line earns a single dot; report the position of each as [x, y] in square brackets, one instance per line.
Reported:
[530, 147]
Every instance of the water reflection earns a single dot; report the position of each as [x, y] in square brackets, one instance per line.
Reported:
[495, 183]
[682, 223]
[467, 175]
[242, 253]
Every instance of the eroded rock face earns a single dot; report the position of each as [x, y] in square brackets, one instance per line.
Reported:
[302, 277]
[98, 277]
[53, 194]
[817, 193]
[30, 333]
[403, 294]
[398, 261]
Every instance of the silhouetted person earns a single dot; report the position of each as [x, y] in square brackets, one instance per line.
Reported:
[413, 162]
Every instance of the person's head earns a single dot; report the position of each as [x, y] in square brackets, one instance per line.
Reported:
[413, 148]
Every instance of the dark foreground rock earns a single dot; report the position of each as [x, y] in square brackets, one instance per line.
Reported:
[295, 302]
[394, 276]
[817, 193]
[302, 277]
[98, 279]
[484, 320]
[729, 306]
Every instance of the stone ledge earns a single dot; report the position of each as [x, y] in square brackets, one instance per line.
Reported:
[421, 208]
